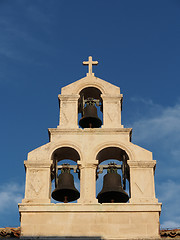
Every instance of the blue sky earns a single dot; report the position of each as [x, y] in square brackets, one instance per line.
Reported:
[42, 46]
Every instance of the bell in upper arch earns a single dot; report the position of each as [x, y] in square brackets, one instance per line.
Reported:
[65, 190]
[112, 191]
[90, 118]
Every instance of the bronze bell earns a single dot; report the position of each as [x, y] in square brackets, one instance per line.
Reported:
[65, 191]
[112, 191]
[90, 118]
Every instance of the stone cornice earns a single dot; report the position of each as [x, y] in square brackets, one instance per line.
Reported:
[77, 207]
[90, 130]
[142, 164]
[112, 97]
[38, 164]
[68, 97]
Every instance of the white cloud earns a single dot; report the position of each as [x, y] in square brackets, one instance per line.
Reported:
[169, 193]
[10, 195]
[170, 224]
[161, 131]
[144, 101]
[158, 127]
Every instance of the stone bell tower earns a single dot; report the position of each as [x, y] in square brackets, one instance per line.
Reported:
[89, 140]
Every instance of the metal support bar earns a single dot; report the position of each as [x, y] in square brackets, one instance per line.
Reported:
[101, 167]
[74, 167]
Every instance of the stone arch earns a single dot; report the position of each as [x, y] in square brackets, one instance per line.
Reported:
[128, 151]
[91, 91]
[111, 153]
[66, 145]
[65, 153]
[91, 85]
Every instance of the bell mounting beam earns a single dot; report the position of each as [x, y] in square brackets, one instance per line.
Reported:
[101, 167]
[90, 63]
[74, 167]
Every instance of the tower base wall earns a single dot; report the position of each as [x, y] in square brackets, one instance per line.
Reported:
[101, 221]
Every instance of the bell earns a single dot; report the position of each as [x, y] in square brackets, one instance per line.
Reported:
[65, 191]
[112, 191]
[90, 118]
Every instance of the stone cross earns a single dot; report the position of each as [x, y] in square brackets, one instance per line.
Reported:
[90, 63]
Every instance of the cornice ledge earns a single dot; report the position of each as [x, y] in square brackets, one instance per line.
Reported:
[142, 164]
[89, 130]
[112, 97]
[74, 97]
[38, 164]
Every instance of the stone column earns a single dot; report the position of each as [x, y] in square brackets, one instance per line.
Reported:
[38, 182]
[112, 111]
[88, 182]
[142, 187]
[68, 111]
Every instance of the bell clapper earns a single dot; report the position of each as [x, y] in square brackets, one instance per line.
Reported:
[65, 199]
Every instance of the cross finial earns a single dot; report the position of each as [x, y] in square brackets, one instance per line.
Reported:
[90, 63]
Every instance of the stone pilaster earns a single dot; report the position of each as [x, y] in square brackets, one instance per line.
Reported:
[112, 111]
[88, 182]
[142, 188]
[68, 111]
[38, 182]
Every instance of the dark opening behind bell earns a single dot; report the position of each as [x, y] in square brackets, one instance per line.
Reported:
[90, 118]
[112, 191]
[65, 191]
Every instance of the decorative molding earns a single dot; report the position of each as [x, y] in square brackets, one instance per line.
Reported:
[68, 98]
[112, 98]
[36, 164]
[36, 184]
[141, 164]
[78, 207]
[113, 130]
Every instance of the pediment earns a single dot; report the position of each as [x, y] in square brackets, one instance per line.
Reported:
[90, 81]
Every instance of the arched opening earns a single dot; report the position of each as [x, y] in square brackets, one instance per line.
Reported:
[112, 160]
[90, 108]
[65, 175]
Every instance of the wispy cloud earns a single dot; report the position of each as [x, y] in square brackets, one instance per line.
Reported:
[140, 99]
[158, 128]
[169, 194]
[21, 35]
[162, 127]
[10, 195]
